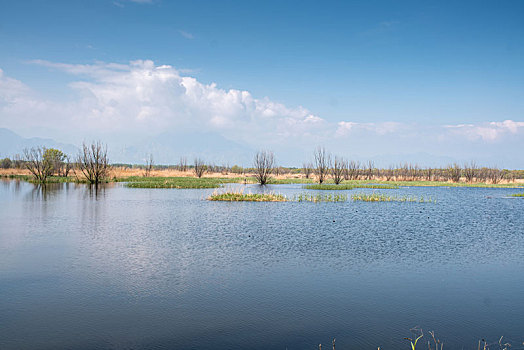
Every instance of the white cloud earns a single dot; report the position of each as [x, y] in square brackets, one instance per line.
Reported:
[141, 98]
[186, 35]
[146, 98]
[345, 128]
[490, 131]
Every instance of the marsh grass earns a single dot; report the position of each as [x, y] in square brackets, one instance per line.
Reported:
[380, 197]
[175, 182]
[240, 196]
[517, 195]
[317, 198]
[349, 186]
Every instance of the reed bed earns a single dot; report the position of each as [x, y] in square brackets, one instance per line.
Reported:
[517, 195]
[379, 197]
[240, 196]
[349, 186]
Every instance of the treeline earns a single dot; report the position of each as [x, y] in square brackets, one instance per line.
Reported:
[92, 165]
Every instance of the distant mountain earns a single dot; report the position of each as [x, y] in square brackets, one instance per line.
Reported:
[12, 143]
[168, 148]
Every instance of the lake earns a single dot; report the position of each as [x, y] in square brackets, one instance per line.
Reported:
[123, 268]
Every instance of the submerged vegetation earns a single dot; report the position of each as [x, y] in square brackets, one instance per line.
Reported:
[380, 197]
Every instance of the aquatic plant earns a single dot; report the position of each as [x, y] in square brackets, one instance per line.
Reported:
[175, 182]
[380, 197]
[517, 195]
[240, 196]
[349, 186]
[316, 198]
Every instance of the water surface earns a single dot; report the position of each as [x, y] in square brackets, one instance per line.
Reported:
[123, 268]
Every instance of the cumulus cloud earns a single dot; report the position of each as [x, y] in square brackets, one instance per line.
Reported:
[144, 97]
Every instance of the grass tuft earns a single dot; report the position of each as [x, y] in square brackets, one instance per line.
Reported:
[517, 195]
[317, 198]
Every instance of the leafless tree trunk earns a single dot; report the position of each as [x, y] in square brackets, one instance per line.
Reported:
[353, 170]
[200, 167]
[182, 165]
[338, 169]
[149, 166]
[36, 163]
[454, 172]
[263, 164]
[495, 175]
[93, 162]
[322, 164]
[307, 169]
[67, 165]
[470, 171]
[369, 170]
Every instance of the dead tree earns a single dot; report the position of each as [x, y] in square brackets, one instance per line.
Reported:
[182, 165]
[307, 169]
[353, 170]
[370, 170]
[337, 171]
[37, 164]
[470, 171]
[495, 175]
[93, 162]
[322, 164]
[149, 166]
[454, 172]
[263, 164]
[200, 167]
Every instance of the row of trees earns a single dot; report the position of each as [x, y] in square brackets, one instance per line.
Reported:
[92, 162]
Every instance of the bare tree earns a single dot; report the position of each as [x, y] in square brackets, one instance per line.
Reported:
[182, 165]
[352, 170]
[454, 172]
[263, 164]
[495, 175]
[93, 162]
[149, 165]
[200, 167]
[337, 171]
[322, 164]
[369, 170]
[308, 169]
[37, 164]
[470, 171]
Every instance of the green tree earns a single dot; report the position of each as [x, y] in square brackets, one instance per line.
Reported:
[6, 163]
[55, 158]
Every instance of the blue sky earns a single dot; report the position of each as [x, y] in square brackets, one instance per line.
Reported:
[400, 73]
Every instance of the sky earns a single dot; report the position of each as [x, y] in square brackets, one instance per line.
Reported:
[425, 81]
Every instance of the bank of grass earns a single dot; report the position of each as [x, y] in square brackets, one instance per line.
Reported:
[176, 182]
[380, 197]
[517, 195]
[349, 186]
[239, 196]
[49, 180]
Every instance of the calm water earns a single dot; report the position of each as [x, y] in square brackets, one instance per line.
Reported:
[165, 269]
